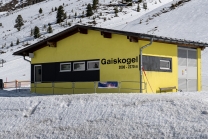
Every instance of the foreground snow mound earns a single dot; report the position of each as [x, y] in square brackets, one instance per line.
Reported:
[105, 116]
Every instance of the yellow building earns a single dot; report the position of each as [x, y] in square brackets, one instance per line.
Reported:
[85, 59]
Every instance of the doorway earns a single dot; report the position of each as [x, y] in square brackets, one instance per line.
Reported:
[37, 73]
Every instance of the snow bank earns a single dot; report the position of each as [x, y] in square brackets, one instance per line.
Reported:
[174, 115]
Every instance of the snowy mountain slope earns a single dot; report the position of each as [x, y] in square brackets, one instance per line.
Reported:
[16, 69]
[183, 22]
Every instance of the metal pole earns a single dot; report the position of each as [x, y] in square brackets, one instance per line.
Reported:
[73, 86]
[140, 63]
[16, 85]
[35, 86]
[53, 87]
[119, 86]
[19, 85]
[26, 59]
[95, 86]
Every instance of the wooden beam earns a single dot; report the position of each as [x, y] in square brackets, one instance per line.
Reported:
[51, 44]
[106, 34]
[132, 39]
[83, 31]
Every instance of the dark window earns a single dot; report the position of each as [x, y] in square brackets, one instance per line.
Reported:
[93, 65]
[64, 67]
[78, 66]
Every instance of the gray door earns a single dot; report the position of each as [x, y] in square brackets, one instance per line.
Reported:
[187, 69]
[37, 73]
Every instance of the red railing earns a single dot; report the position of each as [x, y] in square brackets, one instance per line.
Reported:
[17, 84]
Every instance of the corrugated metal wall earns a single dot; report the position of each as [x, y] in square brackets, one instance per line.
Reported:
[187, 69]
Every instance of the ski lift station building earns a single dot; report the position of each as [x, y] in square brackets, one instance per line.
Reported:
[84, 59]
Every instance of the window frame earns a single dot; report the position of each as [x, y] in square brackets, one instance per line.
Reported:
[80, 69]
[65, 70]
[163, 68]
[92, 62]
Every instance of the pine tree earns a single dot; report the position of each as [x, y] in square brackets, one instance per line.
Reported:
[60, 14]
[40, 11]
[138, 8]
[52, 9]
[89, 10]
[49, 30]
[94, 3]
[55, 9]
[115, 10]
[17, 42]
[145, 5]
[19, 22]
[36, 32]
[11, 44]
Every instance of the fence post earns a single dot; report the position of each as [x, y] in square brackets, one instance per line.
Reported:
[19, 84]
[73, 87]
[53, 87]
[35, 86]
[119, 87]
[95, 86]
[16, 85]
[145, 87]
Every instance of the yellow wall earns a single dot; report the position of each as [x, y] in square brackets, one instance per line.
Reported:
[161, 79]
[199, 69]
[94, 46]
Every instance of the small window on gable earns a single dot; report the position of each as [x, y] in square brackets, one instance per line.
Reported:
[78, 66]
[64, 67]
[165, 65]
[93, 65]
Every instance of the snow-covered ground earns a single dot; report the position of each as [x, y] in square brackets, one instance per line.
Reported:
[104, 116]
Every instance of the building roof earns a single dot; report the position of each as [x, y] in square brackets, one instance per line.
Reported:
[133, 37]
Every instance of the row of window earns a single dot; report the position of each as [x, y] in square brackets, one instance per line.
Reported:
[94, 65]
[79, 66]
